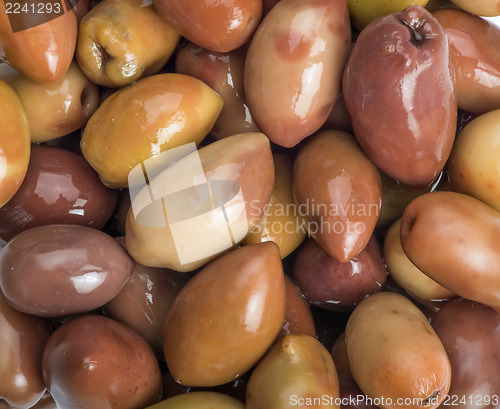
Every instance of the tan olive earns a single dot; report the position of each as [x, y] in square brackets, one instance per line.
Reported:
[294, 65]
[474, 53]
[449, 236]
[339, 355]
[394, 354]
[54, 109]
[144, 119]
[473, 164]
[297, 372]
[281, 222]
[226, 317]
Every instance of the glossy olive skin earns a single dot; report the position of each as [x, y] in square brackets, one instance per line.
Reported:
[470, 334]
[58, 270]
[400, 94]
[245, 159]
[224, 73]
[294, 66]
[199, 400]
[234, 307]
[475, 57]
[461, 230]
[298, 315]
[488, 8]
[297, 368]
[406, 274]
[218, 26]
[54, 109]
[341, 218]
[329, 284]
[145, 300]
[95, 362]
[472, 166]
[43, 52]
[133, 125]
[281, 222]
[120, 41]
[59, 187]
[394, 353]
[14, 143]
[22, 339]
[267, 5]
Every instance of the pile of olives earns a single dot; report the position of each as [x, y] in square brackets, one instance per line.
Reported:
[249, 204]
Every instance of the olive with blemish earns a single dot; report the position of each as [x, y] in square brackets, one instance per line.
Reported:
[338, 193]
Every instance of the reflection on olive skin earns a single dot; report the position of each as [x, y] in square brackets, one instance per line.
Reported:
[221, 26]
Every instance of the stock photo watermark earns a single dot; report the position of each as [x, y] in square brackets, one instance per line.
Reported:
[171, 191]
[26, 14]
